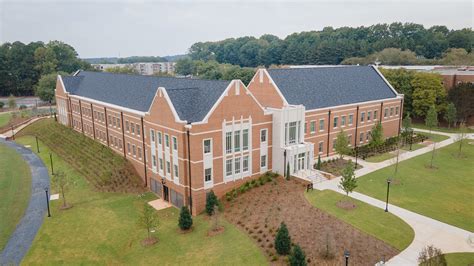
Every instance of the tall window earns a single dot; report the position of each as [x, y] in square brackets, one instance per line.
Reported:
[245, 164]
[153, 159]
[159, 138]
[292, 132]
[263, 161]
[132, 125]
[375, 115]
[335, 122]
[139, 152]
[152, 135]
[207, 146]
[343, 121]
[369, 113]
[161, 164]
[362, 117]
[385, 114]
[237, 140]
[138, 130]
[320, 147]
[134, 150]
[167, 141]
[351, 118]
[228, 142]
[127, 126]
[175, 143]
[168, 167]
[396, 110]
[237, 165]
[245, 139]
[263, 135]
[367, 136]
[361, 137]
[176, 171]
[228, 167]
[321, 124]
[391, 111]
[207, 175]
[312, 126]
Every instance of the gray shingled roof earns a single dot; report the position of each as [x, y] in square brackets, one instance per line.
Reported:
[192, 98]
[319, 87]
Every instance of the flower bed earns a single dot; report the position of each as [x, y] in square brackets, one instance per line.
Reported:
[265, 178]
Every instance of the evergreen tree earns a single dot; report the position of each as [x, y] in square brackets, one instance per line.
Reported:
[211, 201]
[348, 182]
[376, 135]
[450, 115]
[297, 257]
[342, 144]
[431, 119]
[283, 240]
[288, 171]
[407, 122]
[318, 166]
[185, 219]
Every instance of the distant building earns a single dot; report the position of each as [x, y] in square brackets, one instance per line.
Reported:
[142, 68]
[452, 75]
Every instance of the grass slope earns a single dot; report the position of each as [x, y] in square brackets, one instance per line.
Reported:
[444, 193]
[101, 229]
[103, 168]
[15, 191]
[459, 259]
[371, 220]
[4, 119]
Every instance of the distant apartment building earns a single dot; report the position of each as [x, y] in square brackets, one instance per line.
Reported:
[188, 136]
[451, 75]
[143, 68]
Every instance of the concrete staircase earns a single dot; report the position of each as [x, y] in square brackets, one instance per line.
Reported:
[311, 175]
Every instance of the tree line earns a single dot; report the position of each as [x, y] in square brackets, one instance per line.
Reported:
[213, 70]
[332, 46]
[23, 65]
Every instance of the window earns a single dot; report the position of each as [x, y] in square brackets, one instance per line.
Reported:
[176, 171]
[263, 135]
[118, 122]
[245, 164]
[128, 148]
[113, 122]
[361, 138]
[95, 115]
[320, 147]
[237, 140]
[367, 136]
[120, 143]
[139, 152]
[362, 117]
[153, 160]
[343, 121]
[152, 135]
[321, 124]
[368, 115]
[305, 126]
[335, 122]
[228, 167]
[167, 141]
[397, 110]
[159, 138]
[351, 116]
[292, 133]
[228, 142]
[109, 119]
[175, 143]
[312, 127]
[207, 146]
[263, 161]
[134, 150]
[168, 167]
[132, 125]
[161, 164]
[237, 165]
[208, 175]
[138, 130]
[127, 126]
[334, 144]
[245, 139]
[391, 111]
[385, 114]
[375, 115]
[349, 137]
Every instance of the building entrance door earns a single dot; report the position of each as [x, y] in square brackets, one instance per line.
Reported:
[166, 195]
[301, 161]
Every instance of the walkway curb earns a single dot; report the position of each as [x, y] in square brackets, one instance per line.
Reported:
[20, 241]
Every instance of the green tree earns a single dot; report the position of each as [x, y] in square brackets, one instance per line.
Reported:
[406, 123]
[63, 182]
[122, 70]
[428, 91]
[462, 95]
[211, 201]
[431, 119]
[376, 135]
[431, 256]
[401, 80]
[11, 102]
[185, 67]
[342, 144]
[288, 170]
[45, 60]
[461, 137]
[46, 86]
[348, 181]
[148, 219]
[1, 105]
[318, 165]
[297, 257]
[450, 115]
[185, 219]
[283, 240]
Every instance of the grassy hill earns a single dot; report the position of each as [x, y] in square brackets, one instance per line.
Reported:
[106, 170]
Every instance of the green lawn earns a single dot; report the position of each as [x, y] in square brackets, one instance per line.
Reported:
[380, 157]
[460, 259]
[15, 191]
[371, 220]
[101, 228]
[435, 137]
[440, 129]
[4, 118]
[444, 193]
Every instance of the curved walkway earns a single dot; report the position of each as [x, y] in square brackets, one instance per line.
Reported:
[428, 231]
[20, 241]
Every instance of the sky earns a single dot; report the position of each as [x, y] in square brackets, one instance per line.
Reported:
[111, 28]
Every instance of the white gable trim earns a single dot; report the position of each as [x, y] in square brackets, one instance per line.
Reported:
[162, 90]
[385, 80]
[285, 102]
[62, 84]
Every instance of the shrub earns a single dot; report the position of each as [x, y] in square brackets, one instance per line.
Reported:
[185, 220]
[228, 196]
[211, 201]
[22, 107]
[431, 255]
[297, 257]
[2, 104]
[283, 240]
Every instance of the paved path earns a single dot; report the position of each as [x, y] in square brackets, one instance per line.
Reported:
[9, 133]
[428, 231]
[20, 241]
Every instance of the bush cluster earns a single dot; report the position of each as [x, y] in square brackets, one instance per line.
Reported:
[390, 144]
[265, 178]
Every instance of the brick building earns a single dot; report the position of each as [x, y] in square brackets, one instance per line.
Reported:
[187, 136]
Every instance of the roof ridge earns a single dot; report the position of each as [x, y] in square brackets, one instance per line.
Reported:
[151, 76]
[315, 67]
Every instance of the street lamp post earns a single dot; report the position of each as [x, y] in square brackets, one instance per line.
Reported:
[411, 138]
[37, 146]
[388, 191]
[346, 256]
[47, 201]
[357, 155]
[51, 161]
[13, 133]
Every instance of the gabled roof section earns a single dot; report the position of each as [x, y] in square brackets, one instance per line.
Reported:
[320, 87]
[192, 98]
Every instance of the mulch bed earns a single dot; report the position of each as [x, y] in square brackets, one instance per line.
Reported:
[346, 205]
[336, 166]
[217, 231]
[260, 211]
[149, 241]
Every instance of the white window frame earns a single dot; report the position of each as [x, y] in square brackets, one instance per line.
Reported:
[229, 171]
[312, 126]
[237, 165]
[266, 135]
[210, 181]
[236, 139]
[362, 117]
[167, 141]
[204, 146]
[228, 142]
[152, 135]
[264, 165]
[335, 122]
[321, 120]
[321, 147]
[245, 146]
[245, 160]
[343, 121]
[175, 143]
[350, 120]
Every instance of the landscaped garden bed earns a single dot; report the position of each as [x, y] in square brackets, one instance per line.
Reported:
[335, 166]
[259, 212]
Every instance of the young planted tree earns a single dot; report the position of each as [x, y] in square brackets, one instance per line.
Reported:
[348, 182]
[406, 123]
[342, 144]
[297, 257]
[11, 102]
[283, 240]
[215, 222]
[318, 166]
[185, 219]
[431, 256]
[211, 201]
[450, 115]
[62, 181]
[431, 121]
[376, 135]
[148, 220]
[461, 137]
